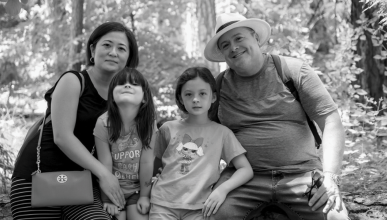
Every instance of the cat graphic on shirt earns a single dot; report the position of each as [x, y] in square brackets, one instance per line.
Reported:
[189, 149]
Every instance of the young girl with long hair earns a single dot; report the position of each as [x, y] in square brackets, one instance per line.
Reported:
[124, 143]
[190, 150]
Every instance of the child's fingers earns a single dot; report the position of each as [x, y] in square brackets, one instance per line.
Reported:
[116, 211]
[211, 209]
[207, 207]
[217, 207]
[139, 207]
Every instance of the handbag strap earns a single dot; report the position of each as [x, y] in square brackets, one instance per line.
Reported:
[44, 123]
[38, 148]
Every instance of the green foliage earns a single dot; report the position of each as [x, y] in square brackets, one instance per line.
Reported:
[34, 50]
[12, 131]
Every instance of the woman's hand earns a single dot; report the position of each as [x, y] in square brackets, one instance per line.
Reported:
[110, 186]
[213, 202]
[328, 194]
[143, 205]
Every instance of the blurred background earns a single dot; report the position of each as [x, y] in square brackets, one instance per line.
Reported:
[344, 40]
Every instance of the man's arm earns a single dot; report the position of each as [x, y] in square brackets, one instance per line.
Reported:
[333, 149]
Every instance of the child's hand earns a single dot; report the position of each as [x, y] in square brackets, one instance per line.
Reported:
[213, 202]
[111, 208]
[143, 205]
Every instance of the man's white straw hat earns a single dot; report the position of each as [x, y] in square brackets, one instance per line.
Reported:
[228, 21]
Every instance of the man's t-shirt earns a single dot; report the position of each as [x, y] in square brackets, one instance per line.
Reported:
[125, 152]
[190, 155]
[268, 121]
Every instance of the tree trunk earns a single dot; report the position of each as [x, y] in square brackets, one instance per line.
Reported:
[57, 14]
[76, 31]
[372, 78]
[206, 24]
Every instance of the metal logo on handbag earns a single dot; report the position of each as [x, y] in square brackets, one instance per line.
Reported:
[60, 188]
[62, 178]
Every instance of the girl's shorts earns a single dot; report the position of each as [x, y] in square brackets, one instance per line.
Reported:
[132, 199]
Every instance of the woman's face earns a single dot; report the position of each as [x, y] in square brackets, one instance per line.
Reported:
[111, 52]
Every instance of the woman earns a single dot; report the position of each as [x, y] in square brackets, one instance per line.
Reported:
[68, 139]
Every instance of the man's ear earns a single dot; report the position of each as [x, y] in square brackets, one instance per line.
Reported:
[213, 97]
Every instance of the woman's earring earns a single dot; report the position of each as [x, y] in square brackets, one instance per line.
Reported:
[91, 59]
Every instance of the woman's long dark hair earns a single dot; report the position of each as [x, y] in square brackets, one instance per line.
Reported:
[146, 115]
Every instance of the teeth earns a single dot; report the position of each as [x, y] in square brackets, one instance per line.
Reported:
[238, 54]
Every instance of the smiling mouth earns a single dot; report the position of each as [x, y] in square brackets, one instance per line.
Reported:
[238, 54]
[111, 61]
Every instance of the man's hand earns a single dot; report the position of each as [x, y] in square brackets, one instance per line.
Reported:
[143, 205]
[213, 202]
[328, 194]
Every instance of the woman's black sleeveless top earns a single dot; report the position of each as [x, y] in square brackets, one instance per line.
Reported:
[91, 106]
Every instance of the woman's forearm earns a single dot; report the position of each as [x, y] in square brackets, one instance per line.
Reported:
[77, 152]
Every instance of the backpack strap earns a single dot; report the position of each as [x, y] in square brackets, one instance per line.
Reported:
[213, 115]
[81, 79]
[290, 85]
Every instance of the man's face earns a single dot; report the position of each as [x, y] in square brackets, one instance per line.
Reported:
[240, 49]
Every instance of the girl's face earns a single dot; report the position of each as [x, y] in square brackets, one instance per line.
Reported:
[128, 94]
[197, 97]
[111, 52]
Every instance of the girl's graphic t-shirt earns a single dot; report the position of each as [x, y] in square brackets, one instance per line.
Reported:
[125, 152]
[190, 155]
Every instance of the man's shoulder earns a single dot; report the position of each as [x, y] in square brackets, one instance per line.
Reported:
[294, 64]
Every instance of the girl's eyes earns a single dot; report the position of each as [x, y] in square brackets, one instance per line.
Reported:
[123, 49]
[188, 94]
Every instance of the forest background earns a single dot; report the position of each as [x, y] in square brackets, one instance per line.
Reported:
[344, 40]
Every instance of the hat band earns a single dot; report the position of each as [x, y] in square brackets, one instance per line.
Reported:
[225, 25]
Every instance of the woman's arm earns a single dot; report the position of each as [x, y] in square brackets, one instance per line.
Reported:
[104, 156]
[333, 144]
[146, 173]
[64, 107]
[243, 174]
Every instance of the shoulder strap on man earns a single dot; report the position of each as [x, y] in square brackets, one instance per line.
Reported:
[289, 83]
[214, 112]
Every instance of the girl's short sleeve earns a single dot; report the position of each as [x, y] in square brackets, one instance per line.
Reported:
[231, 147]
[100, 130]
[161, 142]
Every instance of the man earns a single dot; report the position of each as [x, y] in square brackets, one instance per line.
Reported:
[271, 125]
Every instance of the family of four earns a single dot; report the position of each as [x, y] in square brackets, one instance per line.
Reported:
[263, 135]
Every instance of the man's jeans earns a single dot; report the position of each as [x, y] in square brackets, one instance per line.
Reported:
[272, 188]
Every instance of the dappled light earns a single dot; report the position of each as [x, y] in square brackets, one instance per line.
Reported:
[344, 41]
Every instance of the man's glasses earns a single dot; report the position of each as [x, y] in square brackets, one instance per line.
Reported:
[317, 180]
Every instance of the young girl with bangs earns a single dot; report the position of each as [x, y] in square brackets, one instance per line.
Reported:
[190, 150]
[124, 142]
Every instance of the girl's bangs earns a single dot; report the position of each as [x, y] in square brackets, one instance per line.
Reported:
[130, 76]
